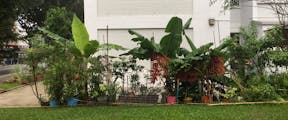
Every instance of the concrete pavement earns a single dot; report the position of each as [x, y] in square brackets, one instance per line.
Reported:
[21, 97]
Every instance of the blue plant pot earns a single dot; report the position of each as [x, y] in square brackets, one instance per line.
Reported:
[72, 102]
[53, 103]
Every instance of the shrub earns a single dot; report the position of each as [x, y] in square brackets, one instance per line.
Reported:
[280, 83]
[262, 92]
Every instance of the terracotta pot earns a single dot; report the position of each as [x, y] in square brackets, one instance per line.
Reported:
[171, 100]
[206, 99]
[225, 100]
[187, 100]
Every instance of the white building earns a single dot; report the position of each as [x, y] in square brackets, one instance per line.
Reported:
[255, 10]
[150, 17]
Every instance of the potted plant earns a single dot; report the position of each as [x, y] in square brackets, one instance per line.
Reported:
[112, 90]
[102, 97]
[70, 93]
[188, 96]
[229, 95]
[171, 99]
[206, 99]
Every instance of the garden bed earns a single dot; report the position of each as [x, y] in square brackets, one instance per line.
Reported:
[138, 99]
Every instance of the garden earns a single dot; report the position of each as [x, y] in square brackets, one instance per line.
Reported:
[75, 73]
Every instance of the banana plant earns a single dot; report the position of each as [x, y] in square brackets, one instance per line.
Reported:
[81, 39]
[168, 46]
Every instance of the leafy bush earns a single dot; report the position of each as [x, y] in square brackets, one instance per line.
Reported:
[280, 83]
[260, 90]
[261, 93]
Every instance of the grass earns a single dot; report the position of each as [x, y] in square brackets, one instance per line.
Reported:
[7, 86]
[177, 112]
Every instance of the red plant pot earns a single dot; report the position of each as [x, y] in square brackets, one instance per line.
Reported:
[206, 99]
[171, 100]
[225, 100]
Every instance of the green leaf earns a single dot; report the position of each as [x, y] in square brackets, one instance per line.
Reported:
[131, 32]
[147, 47]
[183, 52]
[51, 34]
[202, 50]
[110, 46]
[80, 34]
[174, 26]
[187, 24]
[75, 51]
[170, 44]
[138, 53]
[191, 44]
[91, 48]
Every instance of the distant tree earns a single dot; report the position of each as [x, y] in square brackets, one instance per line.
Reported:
[7, 19]
[59, 20]
[33, 13]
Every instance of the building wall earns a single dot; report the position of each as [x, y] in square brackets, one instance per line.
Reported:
[253, 10]
[143, 7]
[149, 15]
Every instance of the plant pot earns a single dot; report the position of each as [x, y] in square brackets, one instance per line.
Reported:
[72, 102]
[187, 100]
[206, 99]
[53, 103]
[171, 100]
[225, 100]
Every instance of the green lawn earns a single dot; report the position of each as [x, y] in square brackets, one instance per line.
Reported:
[177, 112]
[7, 86]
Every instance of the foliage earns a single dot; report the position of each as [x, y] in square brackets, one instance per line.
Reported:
[230, 94]
[280, 83]
[171, 43]
[112, 90]
[246, 59]
[81, 38]
[32, 14]
[260, 90]
[34, 59]
[275, 46]
[7, 30]
[96, 76]
[168, 46]
[126, 67]
[59, 20]
[22, 74]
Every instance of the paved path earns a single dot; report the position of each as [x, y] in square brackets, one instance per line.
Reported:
[21, 97]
